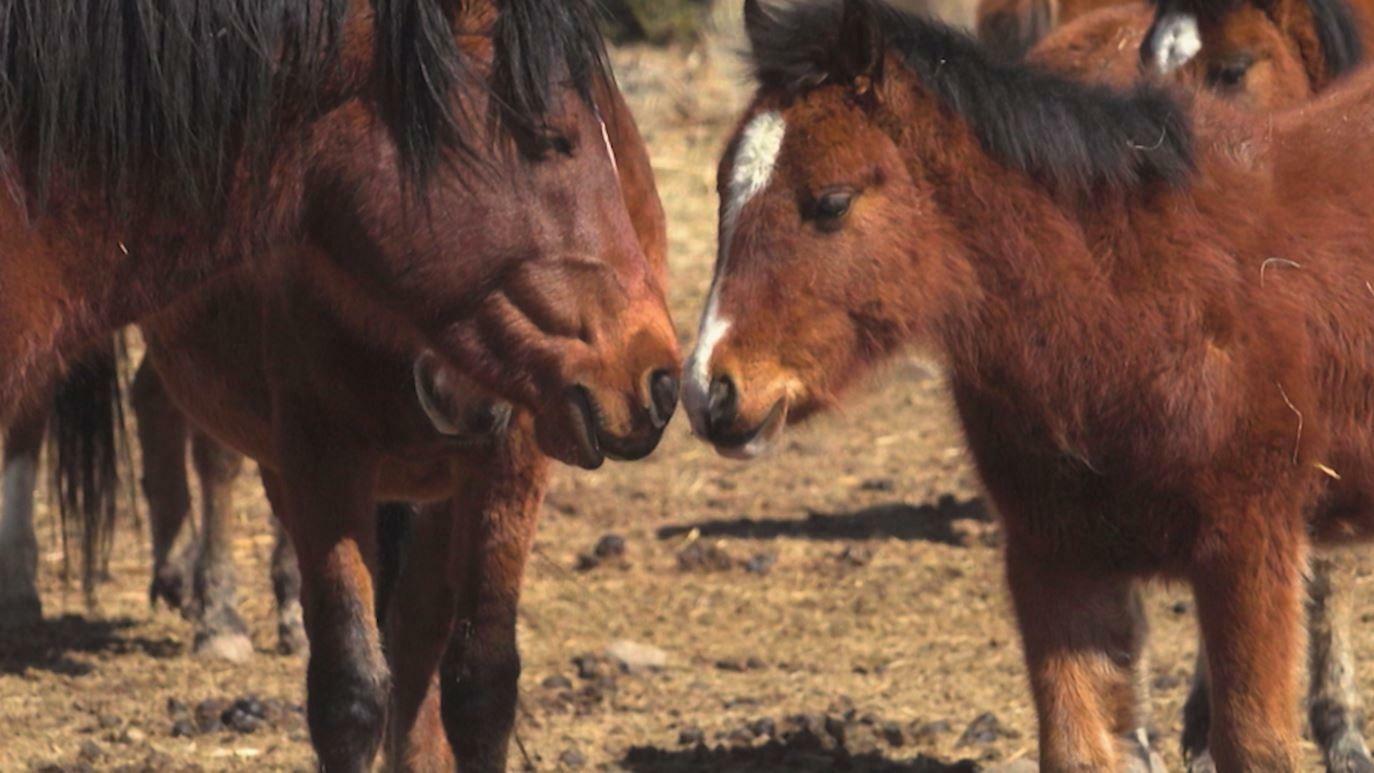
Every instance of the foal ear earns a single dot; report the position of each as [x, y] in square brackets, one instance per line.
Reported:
[861, 47]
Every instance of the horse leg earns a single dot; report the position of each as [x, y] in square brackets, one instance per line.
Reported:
[1197, 717]
[162, 435]
[1083, 637]
[19, 602]
[1248, 603]
[420, 616]
[286, 587]
[326, 506]
[1335, 709]
[480, 673]
[220, 630]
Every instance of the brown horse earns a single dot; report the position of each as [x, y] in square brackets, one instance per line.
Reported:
[150, 146]
[339, 422]
[1232, 45]
[1149, 309]
[1259, 56]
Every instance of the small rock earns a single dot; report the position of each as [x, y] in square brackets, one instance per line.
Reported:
[754, 663]
[764, 728]
[240, 721]
[591, 666]
[133, 735]
[90, 751]
[761, 563]
[985, 729]
[634, 657]
[930, 732]
[856, 555]
[556, 682]
[701, 557]
[209, 715]
[610, 546]
[691, 736]
[572, 758]
[108, 721]
[182, 728]
[892, 734]
[731, 664]
[1166, 681]
[877, 484]
[176, 708]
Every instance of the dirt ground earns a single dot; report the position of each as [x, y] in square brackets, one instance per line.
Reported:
[840, 603]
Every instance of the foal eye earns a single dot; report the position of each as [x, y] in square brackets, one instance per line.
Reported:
[831, 206]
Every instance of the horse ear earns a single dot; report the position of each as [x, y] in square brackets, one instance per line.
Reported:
[861, 47]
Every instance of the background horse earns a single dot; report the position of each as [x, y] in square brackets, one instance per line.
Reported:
[1099, 271]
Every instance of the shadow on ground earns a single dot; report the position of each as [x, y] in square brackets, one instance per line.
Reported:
[779, 756]
[927, 523]
[48, 646]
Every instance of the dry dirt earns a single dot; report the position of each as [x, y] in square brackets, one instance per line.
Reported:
[852, 578]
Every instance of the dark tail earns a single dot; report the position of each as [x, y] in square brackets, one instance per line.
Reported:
[393, 532]
[86, 432]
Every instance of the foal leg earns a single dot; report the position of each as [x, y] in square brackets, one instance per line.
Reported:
[1248, 600]
[480, 673]
[327, 510]
[1083, 639]
[19, 602]
[1335, 709]
[162, 435]
[286, 587]
[220, 630]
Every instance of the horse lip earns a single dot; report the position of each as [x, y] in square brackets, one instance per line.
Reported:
[586, 428]
[626, 449]
[741, 445]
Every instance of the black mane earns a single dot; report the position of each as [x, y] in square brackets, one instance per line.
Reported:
[167, 96]
[1338, 34]
[1074, 136]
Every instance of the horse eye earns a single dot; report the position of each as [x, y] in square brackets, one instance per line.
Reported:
[830, 207]
[1229, 75]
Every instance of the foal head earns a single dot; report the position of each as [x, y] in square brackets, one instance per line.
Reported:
[519, 266]
[837, 246]
[1267, 53]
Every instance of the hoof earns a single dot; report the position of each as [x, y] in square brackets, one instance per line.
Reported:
[291, 640]
[1349, 755]
[231, 647]
[1202, 763]
[20, 611]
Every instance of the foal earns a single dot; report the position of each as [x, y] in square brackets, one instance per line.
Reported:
[1152, 315]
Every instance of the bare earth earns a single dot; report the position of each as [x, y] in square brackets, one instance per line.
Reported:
[840, 604]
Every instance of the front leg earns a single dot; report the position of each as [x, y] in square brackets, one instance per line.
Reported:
[1246, 578]
[220, 629]
[325, 503]
[480, 673]
[19, 602]
[1083, 637]
[1335, 709]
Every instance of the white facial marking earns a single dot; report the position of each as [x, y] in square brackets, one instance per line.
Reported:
[1175, 41]
[610, 149]
[757, 153]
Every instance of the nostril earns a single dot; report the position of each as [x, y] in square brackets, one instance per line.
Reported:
[663, 390]
[722, 404]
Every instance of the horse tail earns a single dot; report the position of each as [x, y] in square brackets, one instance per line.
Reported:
[86, 433]
[1010, 28]
[394, 521]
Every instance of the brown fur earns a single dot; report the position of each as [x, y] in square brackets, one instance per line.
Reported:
[1130, 368]
[331, 416]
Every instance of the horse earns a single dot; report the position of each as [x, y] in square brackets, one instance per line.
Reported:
[1259, 56]
[1150, 311]
[151, 146]
[259, 367]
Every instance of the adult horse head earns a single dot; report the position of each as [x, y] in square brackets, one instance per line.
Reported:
[354, 147]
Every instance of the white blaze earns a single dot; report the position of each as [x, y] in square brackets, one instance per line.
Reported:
[1175, 41]
[755, 157]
